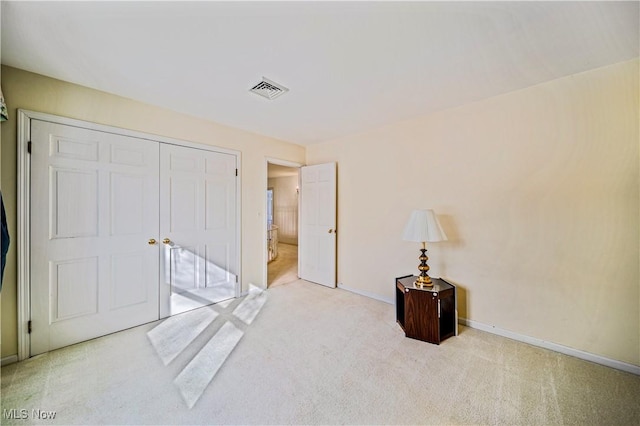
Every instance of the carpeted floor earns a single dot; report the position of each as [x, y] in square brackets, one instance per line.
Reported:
[284, 268]
[301, 353]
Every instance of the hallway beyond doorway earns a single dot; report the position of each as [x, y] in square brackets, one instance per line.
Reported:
[284, 268]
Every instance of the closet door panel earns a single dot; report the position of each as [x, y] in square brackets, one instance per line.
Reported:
[198, 228]
[94, 208]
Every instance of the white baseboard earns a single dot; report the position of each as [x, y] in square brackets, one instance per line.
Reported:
[367, 294]
[9, 360]
[619, 365]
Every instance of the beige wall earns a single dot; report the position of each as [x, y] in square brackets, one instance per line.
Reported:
[37, 93]
[538, 191]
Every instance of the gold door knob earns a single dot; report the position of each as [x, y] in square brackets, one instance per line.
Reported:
[331, 231]
[166, 241]
[152, 241]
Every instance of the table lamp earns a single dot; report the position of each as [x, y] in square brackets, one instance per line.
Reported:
[423, 227]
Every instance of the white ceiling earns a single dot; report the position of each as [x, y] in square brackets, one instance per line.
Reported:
[350, 66]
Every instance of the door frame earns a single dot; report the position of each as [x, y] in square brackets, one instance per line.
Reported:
[279, 162]
[24, 204]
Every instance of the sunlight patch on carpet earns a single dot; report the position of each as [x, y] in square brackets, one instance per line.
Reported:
[248, 309]
[197, 375]
[176, 333]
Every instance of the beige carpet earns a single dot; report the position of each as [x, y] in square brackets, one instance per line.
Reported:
[284, 268]
[301, 353]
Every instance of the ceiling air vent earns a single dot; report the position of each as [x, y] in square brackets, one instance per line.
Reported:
[268, 89]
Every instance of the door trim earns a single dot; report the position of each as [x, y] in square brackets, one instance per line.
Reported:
[24, 204]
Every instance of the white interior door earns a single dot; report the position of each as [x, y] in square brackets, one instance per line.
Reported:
[317, 232]
[197, 227]
[94, 204]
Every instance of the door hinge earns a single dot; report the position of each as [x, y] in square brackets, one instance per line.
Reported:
[236, 172]
[29, 147]
[29, 327]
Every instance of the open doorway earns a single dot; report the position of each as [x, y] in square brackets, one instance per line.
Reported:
[282, 195]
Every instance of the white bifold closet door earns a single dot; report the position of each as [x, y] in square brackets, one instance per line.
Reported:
[124, 231]
[198, 228]
[94, 204]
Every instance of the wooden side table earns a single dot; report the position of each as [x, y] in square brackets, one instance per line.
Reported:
[426, 313]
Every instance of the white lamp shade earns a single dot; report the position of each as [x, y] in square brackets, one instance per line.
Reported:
[423, 226]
